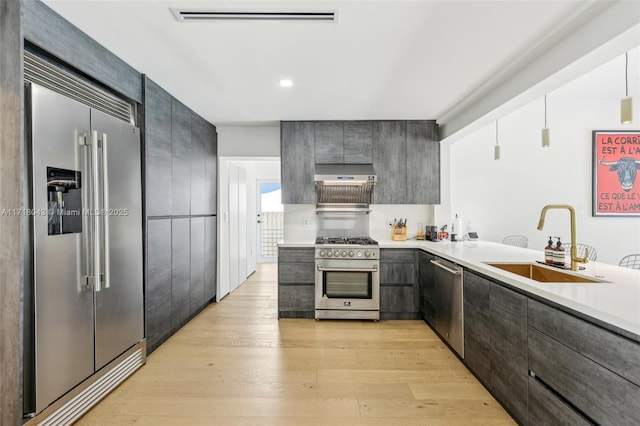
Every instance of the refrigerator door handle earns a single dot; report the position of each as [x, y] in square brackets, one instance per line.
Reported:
[97, 284]
[105, 207]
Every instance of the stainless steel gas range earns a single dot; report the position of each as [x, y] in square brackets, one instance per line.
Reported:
[347, 278]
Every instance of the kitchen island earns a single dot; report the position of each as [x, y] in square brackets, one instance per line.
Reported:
[551, 353]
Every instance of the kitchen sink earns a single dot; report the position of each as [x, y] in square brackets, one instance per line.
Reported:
[543, 274]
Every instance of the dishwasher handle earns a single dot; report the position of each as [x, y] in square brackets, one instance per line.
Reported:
[446, 268]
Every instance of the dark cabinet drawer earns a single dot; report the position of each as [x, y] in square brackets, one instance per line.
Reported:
[546, 409]
[596, 391]
[397, 255]
[295, 255]
[614, 352]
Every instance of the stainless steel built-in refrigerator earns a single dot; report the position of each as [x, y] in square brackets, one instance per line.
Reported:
[84, 306]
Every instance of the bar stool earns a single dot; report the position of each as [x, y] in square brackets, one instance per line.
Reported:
[630, 261]
[593, 255]
[516, 240]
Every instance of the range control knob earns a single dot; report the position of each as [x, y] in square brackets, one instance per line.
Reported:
[351, 254]
[329, 253]
[367, 254]
[344, 253]
[336, 253]
[359, 254]
[322, 253]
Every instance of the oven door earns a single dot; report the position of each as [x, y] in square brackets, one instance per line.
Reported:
[347, 285]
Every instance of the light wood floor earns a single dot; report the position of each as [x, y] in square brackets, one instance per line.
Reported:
[237, 364]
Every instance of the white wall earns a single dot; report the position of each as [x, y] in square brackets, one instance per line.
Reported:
[249, 141]
[506, 196]
[257, 151]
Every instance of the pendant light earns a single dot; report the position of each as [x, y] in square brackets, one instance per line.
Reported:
[626, 103]
[545, 131]
[496, 148]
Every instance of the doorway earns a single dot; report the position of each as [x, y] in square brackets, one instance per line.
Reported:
[270, 219]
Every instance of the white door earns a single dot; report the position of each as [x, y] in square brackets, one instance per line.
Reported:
[242, 225]
[270, 220]
[234, 248]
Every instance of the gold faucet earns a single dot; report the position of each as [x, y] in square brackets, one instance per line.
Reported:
[574, 249]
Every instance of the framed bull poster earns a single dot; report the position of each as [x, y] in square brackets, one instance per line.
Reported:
[616, 161]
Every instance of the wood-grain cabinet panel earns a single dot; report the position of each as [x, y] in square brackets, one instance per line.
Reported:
[601, 394]
[614, 352]
[546, 409]
[329, 142]
[197, 264]
[180, 159]
[158, 283]
[157, 118]
[297, 162]
[358, 142]
[423, 163]
[180, 272]
[389, 162]
[211, 258]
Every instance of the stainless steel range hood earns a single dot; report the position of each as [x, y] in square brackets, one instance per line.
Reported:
[341, 187]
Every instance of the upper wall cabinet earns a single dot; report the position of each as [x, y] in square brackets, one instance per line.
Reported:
[297, 161]
[423, 163]
[181, 157]
[389, 162]
[404, 154]
[406, 158]
[343, 142]
[157, 123]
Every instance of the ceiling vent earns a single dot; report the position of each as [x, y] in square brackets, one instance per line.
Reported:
[197, 15]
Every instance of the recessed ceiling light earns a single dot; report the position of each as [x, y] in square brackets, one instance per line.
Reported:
[285, 82]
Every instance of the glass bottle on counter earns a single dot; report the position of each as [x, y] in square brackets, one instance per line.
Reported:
[558, 254]
[548, 252]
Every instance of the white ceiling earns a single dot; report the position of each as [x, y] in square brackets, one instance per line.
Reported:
[381, 60]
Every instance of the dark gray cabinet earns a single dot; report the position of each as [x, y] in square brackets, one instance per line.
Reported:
[343, 142]
[422, 163]
[358, 142]
[390, 162]
[296, 282]
[199, 140]
[180, 159]
[399, 287]
[427, 288]
[197, 264]
[297, 159]
[158, 150]
[545, 408]
[180, 272]
[405, 156]
[508, 338]
[496, 340]
[477, 326]
[158, 283]
[329, 142]
[211, 170]
[210, 257]
[594, 370]
[181, 191]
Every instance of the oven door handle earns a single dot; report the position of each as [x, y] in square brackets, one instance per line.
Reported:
[321, 269]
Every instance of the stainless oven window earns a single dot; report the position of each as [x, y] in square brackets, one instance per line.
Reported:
[351, 285]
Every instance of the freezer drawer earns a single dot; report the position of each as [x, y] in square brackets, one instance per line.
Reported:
[448, 299]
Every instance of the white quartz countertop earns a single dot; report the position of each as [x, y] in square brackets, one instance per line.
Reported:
[615, 302]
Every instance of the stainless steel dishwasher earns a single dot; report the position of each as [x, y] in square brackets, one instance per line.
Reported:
[448, 304]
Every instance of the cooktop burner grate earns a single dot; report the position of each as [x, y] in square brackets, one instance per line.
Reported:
[363, 241]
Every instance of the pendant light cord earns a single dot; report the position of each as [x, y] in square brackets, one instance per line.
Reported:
[497, 132]
[626, 73]
[545, 111]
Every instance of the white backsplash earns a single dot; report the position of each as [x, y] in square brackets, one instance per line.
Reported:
[300, 224]
[381, 214]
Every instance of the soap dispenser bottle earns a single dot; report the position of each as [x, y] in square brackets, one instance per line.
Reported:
[548, 252]
[558, 253]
